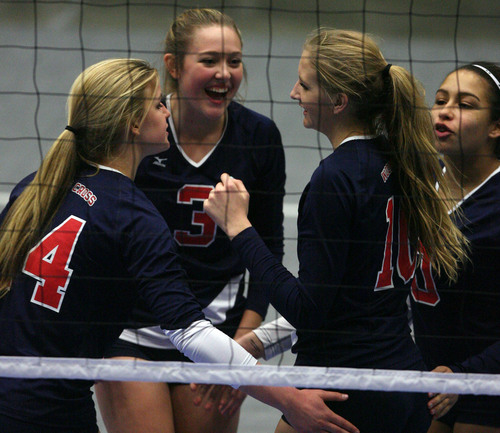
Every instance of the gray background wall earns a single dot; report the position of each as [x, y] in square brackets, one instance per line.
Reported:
[44, 45]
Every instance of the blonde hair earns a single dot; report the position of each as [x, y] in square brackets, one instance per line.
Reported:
[104, 101]
[181, 33]
[388, 100]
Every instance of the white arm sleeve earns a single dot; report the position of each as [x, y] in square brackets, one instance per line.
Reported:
[277, 337]
[202, 342]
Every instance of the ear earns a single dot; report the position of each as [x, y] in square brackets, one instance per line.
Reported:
[340, 102]
[170, 65]
[495, 130]
[134, 130]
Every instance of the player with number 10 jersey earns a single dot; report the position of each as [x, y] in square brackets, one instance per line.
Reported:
[359, 264]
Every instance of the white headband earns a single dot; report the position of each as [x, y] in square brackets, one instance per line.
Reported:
[490, 74]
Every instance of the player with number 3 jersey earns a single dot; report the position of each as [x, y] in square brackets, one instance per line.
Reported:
[209, 134]
[251, 147]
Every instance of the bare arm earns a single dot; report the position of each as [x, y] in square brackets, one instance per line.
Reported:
[305, 409]
[223, 397]
[249, 321]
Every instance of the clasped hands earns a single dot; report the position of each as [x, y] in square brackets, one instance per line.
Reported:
[227, 204]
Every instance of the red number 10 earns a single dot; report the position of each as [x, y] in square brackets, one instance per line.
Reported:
[427, 294]
[405, 265]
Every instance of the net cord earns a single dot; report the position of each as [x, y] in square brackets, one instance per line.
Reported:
[271, 375]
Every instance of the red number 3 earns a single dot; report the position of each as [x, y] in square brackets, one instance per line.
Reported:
[207, 228]
[48, 262]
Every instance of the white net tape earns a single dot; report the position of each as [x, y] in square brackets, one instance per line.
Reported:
[303, 377]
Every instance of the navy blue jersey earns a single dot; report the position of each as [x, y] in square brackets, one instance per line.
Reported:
[349, 300]
[458, 325]
[250, 149]
[106, 246]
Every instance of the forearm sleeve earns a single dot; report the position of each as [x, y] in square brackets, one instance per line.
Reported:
[202, 342]
[277, 337]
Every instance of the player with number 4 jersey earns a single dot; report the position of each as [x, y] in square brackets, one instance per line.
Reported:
[80, 243]
[70, 296]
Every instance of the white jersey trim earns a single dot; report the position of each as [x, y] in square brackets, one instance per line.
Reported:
[154, 336]
[470, 193]
[174, 135]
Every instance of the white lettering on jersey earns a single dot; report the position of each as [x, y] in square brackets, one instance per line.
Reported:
[160, 161]
[386, 172]
[85, 193]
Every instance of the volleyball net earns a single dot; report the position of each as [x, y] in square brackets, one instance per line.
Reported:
[46, 44]
[269, 375]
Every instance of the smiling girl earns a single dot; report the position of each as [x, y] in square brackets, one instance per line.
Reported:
[209, 134]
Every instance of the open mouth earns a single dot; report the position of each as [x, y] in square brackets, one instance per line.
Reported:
[442, 128]
[442, 131]
[217, 93]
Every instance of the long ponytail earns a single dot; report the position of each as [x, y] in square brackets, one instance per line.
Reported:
[33, 210]
[388, 100]
[414, 157]
[104, 101]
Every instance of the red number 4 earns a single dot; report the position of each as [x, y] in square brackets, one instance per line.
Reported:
[48, 262]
